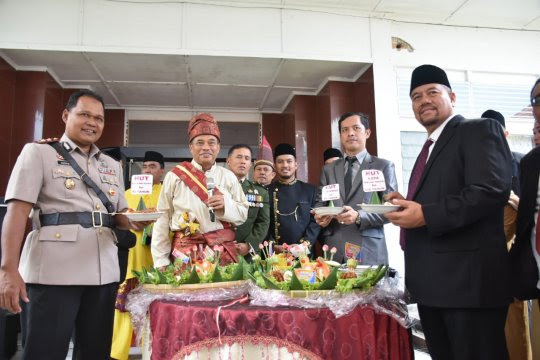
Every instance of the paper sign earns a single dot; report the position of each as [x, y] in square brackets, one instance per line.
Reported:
[330, 192]
[141, 184]
[352, 250]
[373, 180]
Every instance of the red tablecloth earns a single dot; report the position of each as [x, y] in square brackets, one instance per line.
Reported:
[178, 328]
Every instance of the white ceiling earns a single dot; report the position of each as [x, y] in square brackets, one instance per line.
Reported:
[182, 81]
[498, 14]
[256, 84]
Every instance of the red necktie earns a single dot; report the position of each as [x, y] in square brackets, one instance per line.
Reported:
[414, 180]
[538, 233]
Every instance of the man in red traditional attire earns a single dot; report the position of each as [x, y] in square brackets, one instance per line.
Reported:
[199, 192]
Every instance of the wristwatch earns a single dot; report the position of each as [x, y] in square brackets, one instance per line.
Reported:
[358, 220]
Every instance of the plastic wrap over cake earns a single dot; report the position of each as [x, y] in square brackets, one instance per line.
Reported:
[387, 297]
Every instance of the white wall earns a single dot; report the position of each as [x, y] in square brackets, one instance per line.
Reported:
[182, 28]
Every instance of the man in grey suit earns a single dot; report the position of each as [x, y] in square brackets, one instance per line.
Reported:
[355, 233]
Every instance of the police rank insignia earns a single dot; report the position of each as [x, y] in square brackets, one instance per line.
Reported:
[69, 184]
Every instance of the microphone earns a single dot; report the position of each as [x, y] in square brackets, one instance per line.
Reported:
[210, 185]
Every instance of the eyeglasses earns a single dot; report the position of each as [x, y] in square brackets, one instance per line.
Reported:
[535, 101]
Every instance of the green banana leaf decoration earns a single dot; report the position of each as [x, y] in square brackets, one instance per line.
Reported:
[238, 273]
[375, 199]
[295, 283]
[216, 277]
[331, 281]
[194, 277]
[161, 277]
[269, 283]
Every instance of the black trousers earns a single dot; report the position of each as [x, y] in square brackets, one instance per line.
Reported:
[464, 334]
[55, 313]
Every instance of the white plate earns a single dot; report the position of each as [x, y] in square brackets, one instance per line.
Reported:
[378, 209]
[143, 216]
[328, 210]
[359, 268]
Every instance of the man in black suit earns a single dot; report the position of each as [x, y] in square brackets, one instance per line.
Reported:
[525, 254]
[291, 201]
[516, 156]
[517, 331]
[456, 265]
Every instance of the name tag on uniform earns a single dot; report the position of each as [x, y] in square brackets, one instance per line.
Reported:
[142, 184]
[373, 180]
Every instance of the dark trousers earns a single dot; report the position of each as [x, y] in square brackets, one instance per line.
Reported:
[55, 313]
[464, 334]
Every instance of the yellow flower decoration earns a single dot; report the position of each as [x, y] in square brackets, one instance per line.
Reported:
[193, 227]
[187, 226]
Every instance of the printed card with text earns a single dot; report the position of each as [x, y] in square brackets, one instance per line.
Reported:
[330, 192]
[352, 250]
[142, 184]
[373, 180]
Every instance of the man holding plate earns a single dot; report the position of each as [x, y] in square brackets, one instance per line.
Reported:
[456, 260]
[67, 274]
[362, 178]
[139, 257]
[201, 201]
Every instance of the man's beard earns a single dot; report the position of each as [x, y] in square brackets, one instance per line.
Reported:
[429, 122]
[286, 177]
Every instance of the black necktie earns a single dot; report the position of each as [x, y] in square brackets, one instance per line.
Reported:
[348, 175]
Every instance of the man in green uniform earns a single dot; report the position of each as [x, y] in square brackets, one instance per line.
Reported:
[254, 230]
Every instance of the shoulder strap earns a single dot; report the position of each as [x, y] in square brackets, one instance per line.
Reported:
[185, 172]
[84, 176]
[196, 182]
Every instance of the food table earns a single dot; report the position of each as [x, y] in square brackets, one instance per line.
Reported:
[182, 330]
[360, 315]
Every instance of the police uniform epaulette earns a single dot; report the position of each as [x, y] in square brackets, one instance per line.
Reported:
[48, 141]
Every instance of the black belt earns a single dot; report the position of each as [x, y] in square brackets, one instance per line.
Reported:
[85, 219]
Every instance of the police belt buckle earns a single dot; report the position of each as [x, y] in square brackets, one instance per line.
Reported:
[100, 217]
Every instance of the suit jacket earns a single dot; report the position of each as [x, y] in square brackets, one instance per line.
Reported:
[523, 265]
[459, 258]
[370, 233]
[254, 230]
[294, 221]
[516, 159]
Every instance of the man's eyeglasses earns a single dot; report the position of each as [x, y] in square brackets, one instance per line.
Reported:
[535, 101]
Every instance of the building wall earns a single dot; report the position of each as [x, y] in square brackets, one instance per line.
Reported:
[31, 104]
[7, 94]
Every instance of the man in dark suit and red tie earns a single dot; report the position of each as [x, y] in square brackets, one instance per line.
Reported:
[456, 265]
